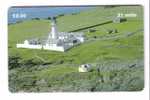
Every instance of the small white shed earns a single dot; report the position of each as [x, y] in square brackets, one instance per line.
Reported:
[84, 68]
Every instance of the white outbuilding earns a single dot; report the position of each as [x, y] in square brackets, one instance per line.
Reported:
[84, 68]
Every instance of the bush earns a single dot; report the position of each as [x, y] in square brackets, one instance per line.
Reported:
[95, 37]
[14, 62]
[36, 18]
[32, 62]
[60, 15]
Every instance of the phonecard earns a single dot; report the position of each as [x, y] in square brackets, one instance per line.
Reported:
[76, 48]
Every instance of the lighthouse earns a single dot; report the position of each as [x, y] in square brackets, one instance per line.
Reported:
[53, 33]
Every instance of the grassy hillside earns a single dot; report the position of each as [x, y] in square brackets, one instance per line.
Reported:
[118, 55]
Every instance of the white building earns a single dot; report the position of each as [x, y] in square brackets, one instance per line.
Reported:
[84, 68]
[56, 41]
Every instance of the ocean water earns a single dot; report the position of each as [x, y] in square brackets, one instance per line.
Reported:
[26, 13]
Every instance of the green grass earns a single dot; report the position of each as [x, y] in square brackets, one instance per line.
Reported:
[62, 77]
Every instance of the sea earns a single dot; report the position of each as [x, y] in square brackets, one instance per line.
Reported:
[16, 14]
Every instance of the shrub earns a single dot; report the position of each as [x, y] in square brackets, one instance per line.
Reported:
[32, 62]
[14, 62]
[36, 18]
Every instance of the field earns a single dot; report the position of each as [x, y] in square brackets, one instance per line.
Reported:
[119, 55]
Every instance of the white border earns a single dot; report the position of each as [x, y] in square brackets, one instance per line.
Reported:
[5, 94]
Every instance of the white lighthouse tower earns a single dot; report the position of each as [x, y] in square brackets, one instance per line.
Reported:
[53, 33]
